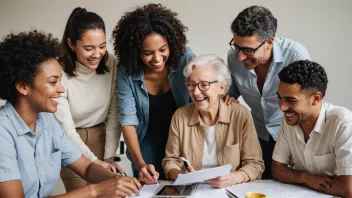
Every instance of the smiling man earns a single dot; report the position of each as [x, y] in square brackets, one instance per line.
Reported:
[315, 137]
[255, 59]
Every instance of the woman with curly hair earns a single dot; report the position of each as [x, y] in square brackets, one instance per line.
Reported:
[88, 109]
[150, 43]
[33, 146]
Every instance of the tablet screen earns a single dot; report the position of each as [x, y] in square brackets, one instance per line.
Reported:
[177, 190]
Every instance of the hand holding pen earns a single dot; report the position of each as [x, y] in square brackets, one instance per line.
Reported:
[186, 165]
[148, 175]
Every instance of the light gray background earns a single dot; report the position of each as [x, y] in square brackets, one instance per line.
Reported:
[323, 26]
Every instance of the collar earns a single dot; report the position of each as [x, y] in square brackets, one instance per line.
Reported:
[223, 114]
[17, 122]
[80, 68]
[320, 124]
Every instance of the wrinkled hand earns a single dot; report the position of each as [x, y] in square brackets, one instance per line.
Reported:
[229, 100]
[105, 165]
[227, 180]
[317, 182]
[116, 166]
[148, 175]
[117, 187]
[185, 170]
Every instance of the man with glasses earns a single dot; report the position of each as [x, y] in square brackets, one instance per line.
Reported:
[255, 59]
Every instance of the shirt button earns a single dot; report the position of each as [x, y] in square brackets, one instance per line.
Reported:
[42, 184]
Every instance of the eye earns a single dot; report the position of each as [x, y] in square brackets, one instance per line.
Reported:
[88, 49]
[147, 54]
[248, 51]
[53, 83]
[162, 50]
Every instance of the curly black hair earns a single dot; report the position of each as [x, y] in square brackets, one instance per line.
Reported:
[255, 20]
[79, 22]
[310, 75]
[20, 57]
[134, 26]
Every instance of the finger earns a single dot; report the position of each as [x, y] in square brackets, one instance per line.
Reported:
[137, 183]
[190, 168]
[112, 168]
[118, 168]
[152, 171]
[325, 184]
[146, 177]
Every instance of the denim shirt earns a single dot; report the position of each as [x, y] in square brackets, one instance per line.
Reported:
[133, 95]
[35, 158]
[265, 109]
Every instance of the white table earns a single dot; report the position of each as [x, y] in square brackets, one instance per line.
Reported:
[271, 188]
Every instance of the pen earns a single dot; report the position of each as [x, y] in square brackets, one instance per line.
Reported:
[185, 163]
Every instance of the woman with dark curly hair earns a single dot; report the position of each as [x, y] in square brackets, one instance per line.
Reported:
[33, 146]
[150, 43]
[88, 109]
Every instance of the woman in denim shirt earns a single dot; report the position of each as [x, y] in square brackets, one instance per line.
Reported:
[150, 43]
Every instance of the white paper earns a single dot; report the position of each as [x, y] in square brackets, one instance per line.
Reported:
[201, 175]
[207, 190]
[275, 189]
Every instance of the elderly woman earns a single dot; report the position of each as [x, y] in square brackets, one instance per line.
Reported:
[210, 133]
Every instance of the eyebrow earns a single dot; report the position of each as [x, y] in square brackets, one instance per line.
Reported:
[93, 45]
[152, 50]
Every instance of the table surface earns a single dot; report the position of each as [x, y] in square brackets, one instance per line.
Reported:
[271, 188]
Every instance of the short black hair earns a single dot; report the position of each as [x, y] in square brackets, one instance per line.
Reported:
[20, 57]
[134, 26]
[255, 20]
[310, 75]
[79, 22]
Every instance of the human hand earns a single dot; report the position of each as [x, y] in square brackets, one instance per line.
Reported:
[229, 100]
[117, 187]
[105, 165]
[227, 180]
[113, 163]
[148, 175]
[317, 182]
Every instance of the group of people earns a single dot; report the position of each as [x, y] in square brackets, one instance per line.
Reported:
[168, 103]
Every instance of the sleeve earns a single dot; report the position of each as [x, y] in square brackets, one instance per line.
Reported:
[128, 110]
[251, 153]
[8, 157]
[233, 90]
[69, 152]
[282, 152]
[342, 148]
[113, 131]
[173, 147]
[302, 53]
[64, 117]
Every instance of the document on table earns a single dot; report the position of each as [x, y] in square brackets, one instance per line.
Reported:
[201, 175]
[275, 189]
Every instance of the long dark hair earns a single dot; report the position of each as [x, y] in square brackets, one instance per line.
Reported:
[80, 21]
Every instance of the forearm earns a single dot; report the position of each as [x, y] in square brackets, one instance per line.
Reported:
[96, 173]
[340, 186]
[285, 174]
[131, 140]
[84, 192]
[173, 173]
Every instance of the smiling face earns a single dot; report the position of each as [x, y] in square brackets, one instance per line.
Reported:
[296, 105]
[46, 87]
[91, 48]
[206, 101]
[154, 52]
[261, 56]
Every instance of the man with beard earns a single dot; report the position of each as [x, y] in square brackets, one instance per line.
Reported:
[255, 59]
[315, 139]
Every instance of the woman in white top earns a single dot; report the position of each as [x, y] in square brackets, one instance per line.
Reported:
[88, 110]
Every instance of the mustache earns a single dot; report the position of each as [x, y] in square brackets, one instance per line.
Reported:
[289, 111]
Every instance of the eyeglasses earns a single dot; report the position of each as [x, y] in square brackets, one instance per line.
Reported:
[247, 50]
[202, 85]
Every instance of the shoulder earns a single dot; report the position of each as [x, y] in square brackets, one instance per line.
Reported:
[184, 112]
[111, 62]
[338, 114]
[236, 109]
[291, 46]
[186, 57]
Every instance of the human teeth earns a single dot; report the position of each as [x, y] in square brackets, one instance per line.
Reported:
[200, 99]
[157, 64]
[54, 100]
[289, 114]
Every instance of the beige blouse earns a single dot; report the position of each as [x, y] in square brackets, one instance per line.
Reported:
[236, 140]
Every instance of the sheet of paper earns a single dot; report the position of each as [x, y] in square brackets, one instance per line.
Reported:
[200, 176]
[275, 189]
[207, 190]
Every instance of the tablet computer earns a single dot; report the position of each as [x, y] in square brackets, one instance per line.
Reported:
[180, 191]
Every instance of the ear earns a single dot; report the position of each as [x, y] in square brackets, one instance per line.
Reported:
[317, 98]
[69, 42]
[271, 40]
[223, 87]
[22, 87]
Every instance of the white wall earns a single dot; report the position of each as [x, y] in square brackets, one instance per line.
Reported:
[323, 26]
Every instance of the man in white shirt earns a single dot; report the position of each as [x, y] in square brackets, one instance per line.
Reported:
[314, 145]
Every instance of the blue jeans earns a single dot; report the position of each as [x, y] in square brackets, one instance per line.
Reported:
[267, 149]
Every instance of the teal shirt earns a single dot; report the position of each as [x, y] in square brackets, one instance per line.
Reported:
[36, 157]
[265, 109]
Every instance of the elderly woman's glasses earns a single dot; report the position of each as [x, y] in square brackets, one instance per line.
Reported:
[202, 85]
[247, 50]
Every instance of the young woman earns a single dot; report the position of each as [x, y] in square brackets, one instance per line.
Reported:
[33, 146]
[150, 43]
[88, 109]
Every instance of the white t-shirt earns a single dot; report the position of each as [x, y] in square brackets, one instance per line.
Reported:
[329, 148]
[210, 158]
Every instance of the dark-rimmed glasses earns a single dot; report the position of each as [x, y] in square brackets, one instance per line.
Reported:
[202, 85]
[246, 50]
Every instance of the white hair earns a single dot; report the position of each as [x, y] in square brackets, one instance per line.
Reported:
[216, 63]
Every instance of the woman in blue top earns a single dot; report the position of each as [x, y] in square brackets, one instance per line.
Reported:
[150, 43]
[33, 146]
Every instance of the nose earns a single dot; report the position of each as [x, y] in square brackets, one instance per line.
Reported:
[157, 57]
[241, 55]
[196, 90]
[96, 54]
[60, 88]
[283, 105]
